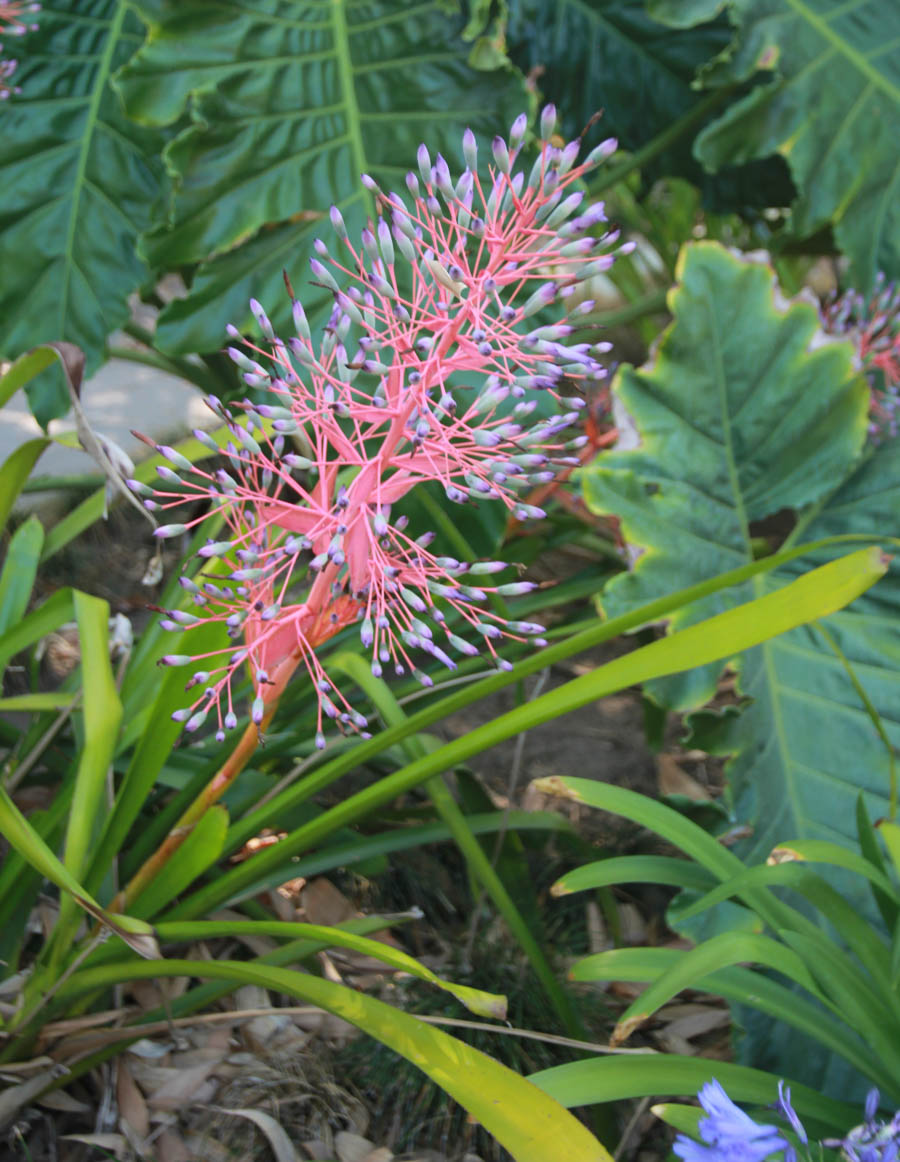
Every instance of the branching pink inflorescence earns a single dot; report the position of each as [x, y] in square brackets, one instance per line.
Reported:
[873, 323]
[14, 21]
[422, 375]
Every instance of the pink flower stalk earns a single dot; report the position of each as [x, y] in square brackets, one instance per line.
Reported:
[873, 324]
[436, 298]
[13, 22]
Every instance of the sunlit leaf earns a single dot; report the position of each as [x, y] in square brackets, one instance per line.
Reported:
[520, 1116]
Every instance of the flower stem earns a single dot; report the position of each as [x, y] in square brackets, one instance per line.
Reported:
[211, 793]
[321, 630]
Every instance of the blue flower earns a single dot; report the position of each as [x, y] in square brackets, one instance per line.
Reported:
[730, 1134]
[784, 1107]
[873, 1141]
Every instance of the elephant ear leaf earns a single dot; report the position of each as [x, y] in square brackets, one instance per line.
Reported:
[831, 109]
[619, 57]
[288, 106]
[80, 182]
[750, 424]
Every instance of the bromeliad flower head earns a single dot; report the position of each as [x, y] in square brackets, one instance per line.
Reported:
[729, 1134]
[423, 374]
[873, 324]
[14, 21]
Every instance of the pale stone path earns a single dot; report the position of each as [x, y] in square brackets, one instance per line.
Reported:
[122, 396]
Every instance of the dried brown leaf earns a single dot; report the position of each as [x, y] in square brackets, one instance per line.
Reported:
[171, 1147]
[672, 779]
[181, 1086]
[206, 1147]
[275, 1133]
[317, 1149]
[11, 1070]
[352, 1147]
[116, 1143]
[132, 1106]
[18, 1096]
[696, 1024]
[323, 903]
[58, 1099]
[148, 1049]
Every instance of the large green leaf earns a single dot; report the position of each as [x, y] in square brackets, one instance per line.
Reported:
[79, 183]
[745, 414]
[611, 55]
[290, 102]
[805, 746]
[738, 420]
[734, 419]
[831, 109]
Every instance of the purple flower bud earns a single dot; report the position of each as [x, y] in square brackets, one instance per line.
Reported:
[528, 512]
[424, 161]
[517, 132]
[214, 549]
[526, 627]
[262, 319]
[195, 721]
[501, 154]
[337, 221]
[542, 297]
[301, 325]
[481, 568]
[413, 600]
[470, 149]
[602, 151]
[568, 156]
[441, 173]
[548, 122]
[323, 274]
